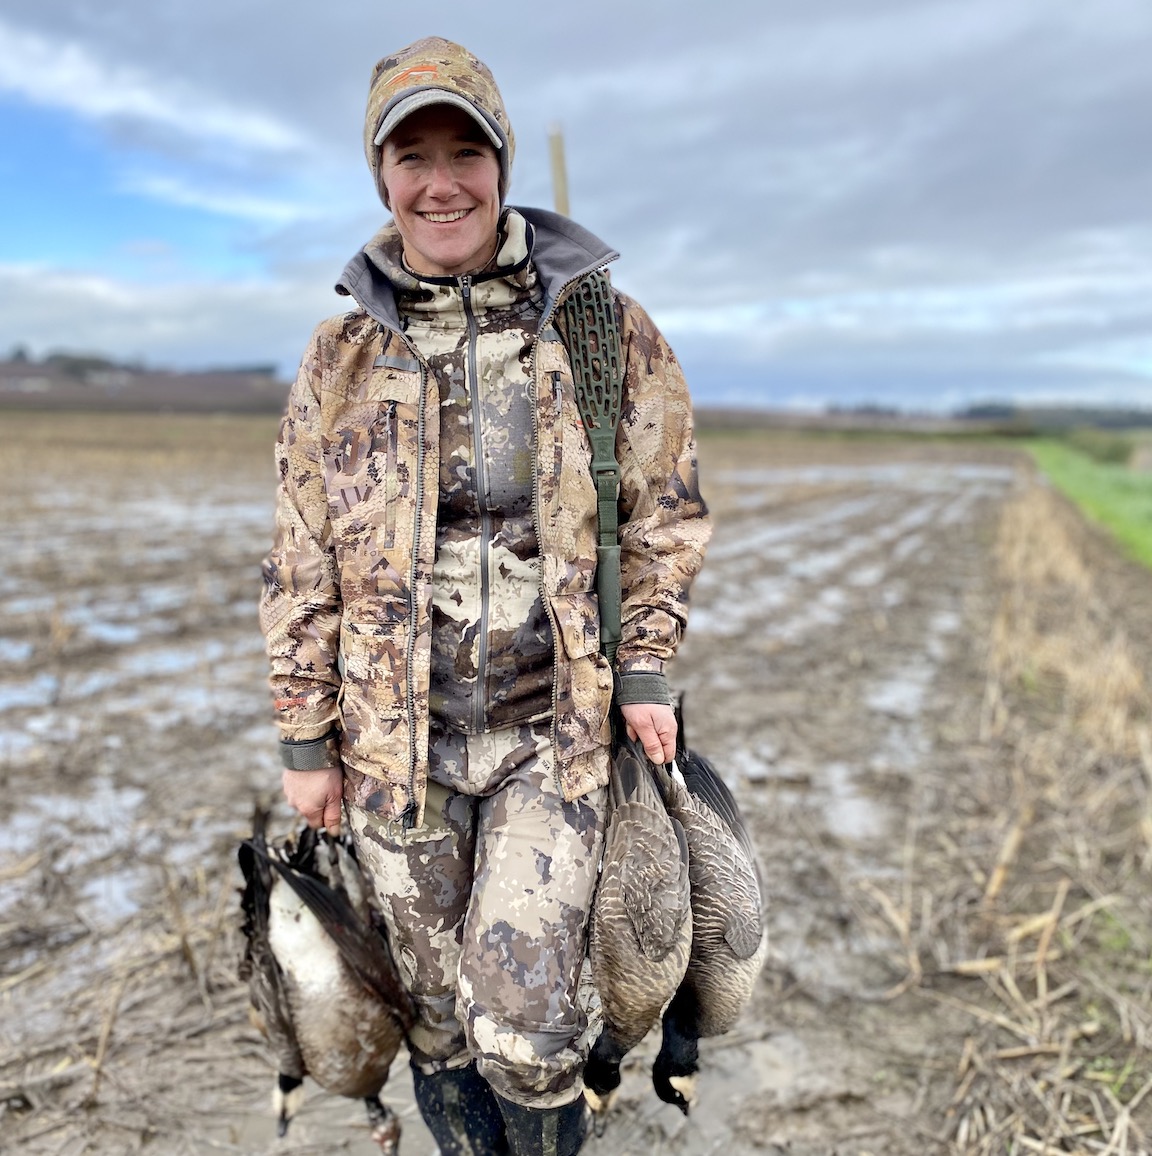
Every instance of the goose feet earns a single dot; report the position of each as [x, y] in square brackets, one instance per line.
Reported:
[385, 1126]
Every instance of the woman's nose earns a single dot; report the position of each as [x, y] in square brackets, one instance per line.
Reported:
[442, 182]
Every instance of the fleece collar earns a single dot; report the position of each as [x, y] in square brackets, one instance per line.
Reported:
[561, 250]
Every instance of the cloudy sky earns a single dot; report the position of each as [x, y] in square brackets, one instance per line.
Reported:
[920, 203]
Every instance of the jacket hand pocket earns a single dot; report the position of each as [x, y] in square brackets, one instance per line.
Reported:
[373, 666]
[583, 676]
[578, 618]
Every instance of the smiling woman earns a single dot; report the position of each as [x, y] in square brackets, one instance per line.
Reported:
[440, 177]
[430, 605]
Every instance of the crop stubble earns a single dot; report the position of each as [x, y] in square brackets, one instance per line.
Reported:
[925, 677]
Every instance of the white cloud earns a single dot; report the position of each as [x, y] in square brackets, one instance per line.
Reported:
[229, 204]
[187, 323]
[1090, 314]
[70, 76]
[1131, 356]
[887, 192]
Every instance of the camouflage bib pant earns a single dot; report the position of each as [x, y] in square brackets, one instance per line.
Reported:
[487, 904]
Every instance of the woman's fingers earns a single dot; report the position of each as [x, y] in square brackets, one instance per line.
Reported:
[316, 795]
[653, 725]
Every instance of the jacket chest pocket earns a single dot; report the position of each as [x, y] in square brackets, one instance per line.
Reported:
[360, 460]
[368, 456]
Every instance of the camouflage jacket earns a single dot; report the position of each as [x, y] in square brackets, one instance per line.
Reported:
[492, 652]
[347, 602]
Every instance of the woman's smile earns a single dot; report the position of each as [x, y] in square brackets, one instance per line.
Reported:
[446, 218]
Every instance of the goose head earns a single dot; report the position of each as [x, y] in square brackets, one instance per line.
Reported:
[287, 1097]
[680, 1091]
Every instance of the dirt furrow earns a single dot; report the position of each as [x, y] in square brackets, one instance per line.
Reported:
[836, 670]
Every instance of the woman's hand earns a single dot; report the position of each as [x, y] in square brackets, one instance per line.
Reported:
[654, 725]
[316, 795]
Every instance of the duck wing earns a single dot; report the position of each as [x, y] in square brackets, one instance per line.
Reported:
[267, 992]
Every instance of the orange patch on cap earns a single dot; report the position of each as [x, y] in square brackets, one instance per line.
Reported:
[420, 73]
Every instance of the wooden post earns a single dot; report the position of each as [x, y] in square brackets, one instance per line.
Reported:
[559, 171]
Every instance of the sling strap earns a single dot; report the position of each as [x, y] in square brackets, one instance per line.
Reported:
[593, 339]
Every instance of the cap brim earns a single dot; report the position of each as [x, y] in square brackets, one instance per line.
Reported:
[407, 105]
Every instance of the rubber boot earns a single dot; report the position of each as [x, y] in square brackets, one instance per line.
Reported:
[545, 1131]
[461, 1112]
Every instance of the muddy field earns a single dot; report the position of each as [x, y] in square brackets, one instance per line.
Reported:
[925, 678]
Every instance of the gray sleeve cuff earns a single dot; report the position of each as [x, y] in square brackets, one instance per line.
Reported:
[642, 686]
[311, 754]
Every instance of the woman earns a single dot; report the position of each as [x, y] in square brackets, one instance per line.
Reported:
[430, 606]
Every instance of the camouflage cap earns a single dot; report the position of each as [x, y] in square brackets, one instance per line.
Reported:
[435, 71]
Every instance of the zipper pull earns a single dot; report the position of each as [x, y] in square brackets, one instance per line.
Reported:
[466, 287]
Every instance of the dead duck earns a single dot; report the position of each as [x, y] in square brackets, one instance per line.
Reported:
[641, 928]
[323, 987]
[729, 943]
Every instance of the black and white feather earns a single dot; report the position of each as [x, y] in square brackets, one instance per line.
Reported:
[322, 983]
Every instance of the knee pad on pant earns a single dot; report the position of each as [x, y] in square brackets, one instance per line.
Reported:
[534, 1065]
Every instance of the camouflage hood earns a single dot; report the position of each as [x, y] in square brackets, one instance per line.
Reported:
[435, 71]
[561, 252]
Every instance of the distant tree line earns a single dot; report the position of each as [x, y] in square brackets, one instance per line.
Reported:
[1031, 420]
[81, 365]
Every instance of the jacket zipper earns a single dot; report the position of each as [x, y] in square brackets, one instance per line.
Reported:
[479, 695]
[557, 641]
[408, 815]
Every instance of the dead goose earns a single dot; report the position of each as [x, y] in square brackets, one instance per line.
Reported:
[729, 943]
[641, 927]
[321, 980]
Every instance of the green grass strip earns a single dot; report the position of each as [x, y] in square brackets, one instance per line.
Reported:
[1113, 496]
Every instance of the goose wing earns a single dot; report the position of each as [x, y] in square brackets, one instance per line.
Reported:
[654, 885]
[652, 853]
[726, 864]
[641, 928]
[266, 986]
[728, 941]
[705, 784]
[362, 947]
[726, 901]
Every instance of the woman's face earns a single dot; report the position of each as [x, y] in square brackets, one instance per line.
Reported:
[443, 182]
